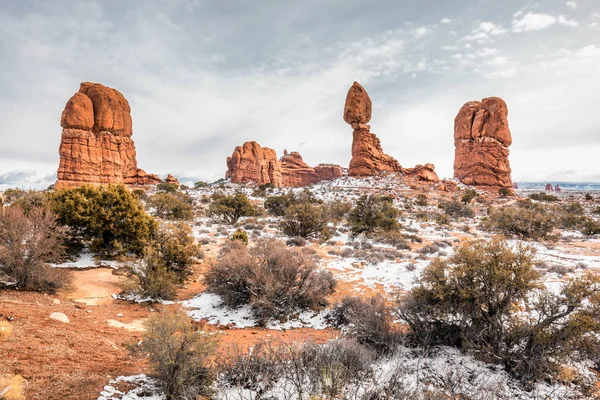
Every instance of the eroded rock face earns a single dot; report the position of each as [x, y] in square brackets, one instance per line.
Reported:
[172, 180]
[96, 146]
[253, 163]
[368, 158]
[481, 140]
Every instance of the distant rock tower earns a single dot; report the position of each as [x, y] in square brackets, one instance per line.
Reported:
[96, 146]
[481, 140]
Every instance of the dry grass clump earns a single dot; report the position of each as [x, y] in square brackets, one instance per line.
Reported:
[11, 388]
[5, 330]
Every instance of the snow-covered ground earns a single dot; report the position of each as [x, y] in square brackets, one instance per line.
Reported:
[86, 260]
[145, 388]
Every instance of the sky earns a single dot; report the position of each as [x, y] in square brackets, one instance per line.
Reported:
[203, 77]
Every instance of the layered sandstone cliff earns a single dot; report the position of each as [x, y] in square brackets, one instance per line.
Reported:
[96, 145]
[481, 140]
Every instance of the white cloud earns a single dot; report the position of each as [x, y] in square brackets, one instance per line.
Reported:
[445, 21]
[491, 28]
[449, 48]
[487, 52]
[422, 31]
[485, 32]
[572, 4]
[533, 22]
[571, 23]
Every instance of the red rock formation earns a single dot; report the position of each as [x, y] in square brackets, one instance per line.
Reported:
[549, 187]
[368, 157]
[96, 145]
[253, 163]
[172, 180]
[557, 188]
[515, 185]
[481, 140]
[328, 172]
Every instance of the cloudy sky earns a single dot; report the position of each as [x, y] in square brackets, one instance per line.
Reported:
[205, 76]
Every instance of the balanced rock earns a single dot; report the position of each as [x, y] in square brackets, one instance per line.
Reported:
[481, 140]
[96, 146]
[358, 105]
[368, 158]
[253, 163]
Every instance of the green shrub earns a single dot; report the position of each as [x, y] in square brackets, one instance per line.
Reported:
[179, 355]
[176, 246]
[174, 206]
[273, 279]
[26, 200]
[456, 209]
[230, 209]
[337, 210]
[469, 195]
[525, 220]
[200, 184]
[155, 280]
[504, 192]
[304, 219]
[277, 205]
[167, 187]
[240, 235]
[421, 200]
[373, 213]
[110, 219]
[27, 244]
[488, 318]
[548, 198]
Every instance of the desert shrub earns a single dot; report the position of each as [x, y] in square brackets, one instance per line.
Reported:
[140, 194]
[296, 241]
[304, 219]
[172, 205]
[488, 319]
[26, 200]
[256, 369]
[179, 355]
[393, 238]
[548, 198]
[421, 200]
[262, 190]
[456, 209]
[276, 205]
[167, 187]
[109, 218]
[468, 195]
[175, 244]
[240, 235]
[337, 210]
[590, 226]
[525, 220]
[588, 197]
[331, 367]
[504, 192]
[273, 279]
[27, 244]
[368, 321]
[5, 331]
[154, 280]
[230, 209]
[200, 184]
[373, 213]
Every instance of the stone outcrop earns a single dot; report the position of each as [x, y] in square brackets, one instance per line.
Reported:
[328, 172]
[172, 180]
[96, 145]
[481, 140]
[368, 158]
[253, 163]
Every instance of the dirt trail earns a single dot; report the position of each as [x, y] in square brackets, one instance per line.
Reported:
[75, 360]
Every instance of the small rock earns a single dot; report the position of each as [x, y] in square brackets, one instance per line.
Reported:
[60, 317]
[56, 301]
[119, 315]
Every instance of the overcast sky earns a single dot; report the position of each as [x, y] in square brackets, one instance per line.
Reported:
[205, 76]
